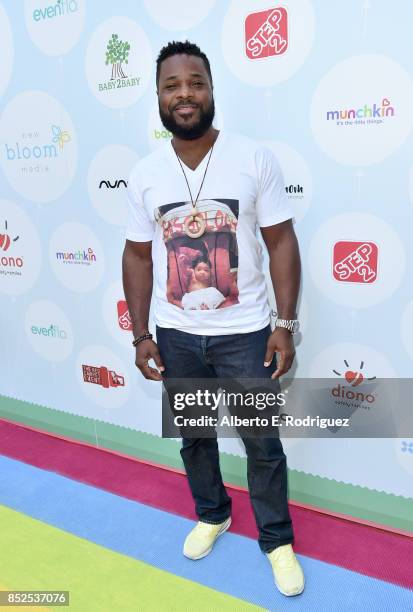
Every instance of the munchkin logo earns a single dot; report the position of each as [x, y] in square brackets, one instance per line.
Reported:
[62, 7]
[348, 398]
[363, 115]
[76, 257]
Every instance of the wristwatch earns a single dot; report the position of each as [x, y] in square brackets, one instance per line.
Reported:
[292, 325]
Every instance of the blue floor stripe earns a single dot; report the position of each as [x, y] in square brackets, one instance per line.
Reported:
[236, 566]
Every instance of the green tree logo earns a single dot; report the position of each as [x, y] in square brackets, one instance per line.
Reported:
[117, 53]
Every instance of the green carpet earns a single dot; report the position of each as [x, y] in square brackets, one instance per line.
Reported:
[36, 556]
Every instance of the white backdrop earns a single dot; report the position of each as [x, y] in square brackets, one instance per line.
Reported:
[327, 86]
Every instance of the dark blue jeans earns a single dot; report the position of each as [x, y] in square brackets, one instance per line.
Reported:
[230, 356]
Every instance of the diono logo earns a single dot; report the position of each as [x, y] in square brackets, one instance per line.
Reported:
[266, 33]
[353, 378]
[9, 264]
[355, 262]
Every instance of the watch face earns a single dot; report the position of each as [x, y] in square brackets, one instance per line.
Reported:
[296, 327]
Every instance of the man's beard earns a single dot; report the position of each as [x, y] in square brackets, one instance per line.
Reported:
[192, 131]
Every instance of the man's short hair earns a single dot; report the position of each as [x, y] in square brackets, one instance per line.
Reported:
[200, 259]
[176, 48]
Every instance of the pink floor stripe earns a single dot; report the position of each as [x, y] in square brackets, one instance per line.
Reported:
[361, 548]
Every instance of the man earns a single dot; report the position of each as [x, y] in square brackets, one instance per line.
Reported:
[204, 193]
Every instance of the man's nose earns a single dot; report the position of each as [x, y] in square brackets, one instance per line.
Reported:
[184, 92]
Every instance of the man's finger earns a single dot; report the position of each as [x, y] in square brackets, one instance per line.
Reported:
[269, 354]
[158, 360]
[284, 365]
[148, 372]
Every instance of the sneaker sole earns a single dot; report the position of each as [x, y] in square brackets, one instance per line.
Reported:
[289, 594]
[223, 529]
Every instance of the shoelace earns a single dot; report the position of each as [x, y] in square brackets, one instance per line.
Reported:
[284, 558]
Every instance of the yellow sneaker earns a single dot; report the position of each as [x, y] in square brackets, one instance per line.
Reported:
[288, 574]
[201, 539]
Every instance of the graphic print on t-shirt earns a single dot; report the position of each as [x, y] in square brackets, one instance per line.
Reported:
[202, 272]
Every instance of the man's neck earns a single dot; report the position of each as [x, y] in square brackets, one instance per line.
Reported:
[192, 152]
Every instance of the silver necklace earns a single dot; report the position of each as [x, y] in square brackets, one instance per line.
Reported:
[194, 225]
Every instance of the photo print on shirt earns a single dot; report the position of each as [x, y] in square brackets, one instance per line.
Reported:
[202, 272]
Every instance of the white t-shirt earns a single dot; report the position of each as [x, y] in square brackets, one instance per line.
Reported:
[243, 189]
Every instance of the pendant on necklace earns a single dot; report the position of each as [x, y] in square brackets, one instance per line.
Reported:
[194, 225]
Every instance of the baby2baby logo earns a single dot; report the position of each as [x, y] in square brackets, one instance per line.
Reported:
[117, 54]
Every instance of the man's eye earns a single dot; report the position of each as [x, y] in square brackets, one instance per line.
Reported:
[169, 86]
[198, 83]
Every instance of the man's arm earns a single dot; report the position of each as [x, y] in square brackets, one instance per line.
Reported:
[137, 287]
[285, 271]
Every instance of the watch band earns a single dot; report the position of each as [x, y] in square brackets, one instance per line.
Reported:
[292, 325]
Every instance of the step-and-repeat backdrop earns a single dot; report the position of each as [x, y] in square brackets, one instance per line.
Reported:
[328, 86]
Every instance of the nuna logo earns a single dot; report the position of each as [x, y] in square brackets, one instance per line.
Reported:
[376, 113]
[113, 184]
[77, 257]
[23, 151]
[53, 331]
[61, 8]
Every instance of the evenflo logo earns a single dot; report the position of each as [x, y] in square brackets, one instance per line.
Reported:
[266, 33]
[61, 8]
[355, 262]
[367, 114]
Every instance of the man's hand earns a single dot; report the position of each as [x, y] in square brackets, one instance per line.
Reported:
[280, 341]
[146, 350]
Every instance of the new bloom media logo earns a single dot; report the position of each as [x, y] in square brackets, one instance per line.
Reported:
[364, 115]
[59, 9]
[355, 262]
[102, 376]
[31, 148]
[266, 33]
[116, 56]
[10, 264]
[85, 257]
[343, 393]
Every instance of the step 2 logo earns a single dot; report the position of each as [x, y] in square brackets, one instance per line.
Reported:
[9, 264]
[355, 262]
[117, 53]
[102, 376]
[266, 33]
[124, 319]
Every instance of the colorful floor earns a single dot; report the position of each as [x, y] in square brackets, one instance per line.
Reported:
[114, 553]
